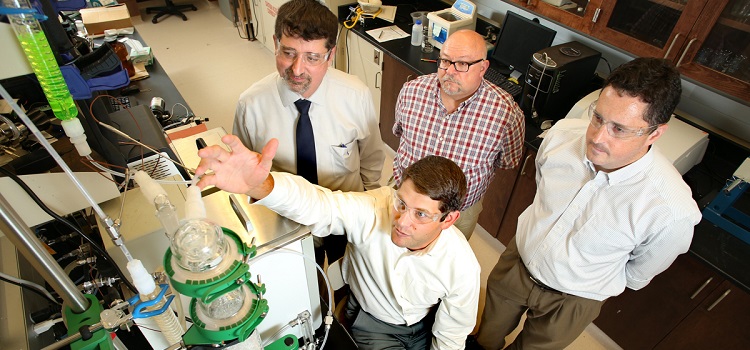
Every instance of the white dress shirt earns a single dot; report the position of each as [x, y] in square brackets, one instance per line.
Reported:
[348, 146]
[591, 233]
[391, 283]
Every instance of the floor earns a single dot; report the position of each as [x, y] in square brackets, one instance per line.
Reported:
[211, 66]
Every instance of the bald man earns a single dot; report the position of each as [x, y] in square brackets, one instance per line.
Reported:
[456, 114]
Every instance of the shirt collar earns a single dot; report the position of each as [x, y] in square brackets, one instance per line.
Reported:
[625, 172]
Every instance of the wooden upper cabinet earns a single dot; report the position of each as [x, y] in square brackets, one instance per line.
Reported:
[647, 28]
[709, 41]
[577, 15]
[717, 50]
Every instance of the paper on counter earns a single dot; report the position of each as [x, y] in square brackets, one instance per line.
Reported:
[387, 33]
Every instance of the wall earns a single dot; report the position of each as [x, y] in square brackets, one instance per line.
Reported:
[718, 111]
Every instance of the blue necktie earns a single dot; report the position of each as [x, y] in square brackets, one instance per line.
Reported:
[306, 163]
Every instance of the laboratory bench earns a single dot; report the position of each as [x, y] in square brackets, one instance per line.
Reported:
[707, 288]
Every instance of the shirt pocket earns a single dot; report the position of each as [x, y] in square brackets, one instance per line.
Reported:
[421, 295]
[346, 156]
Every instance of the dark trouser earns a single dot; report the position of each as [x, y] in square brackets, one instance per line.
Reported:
[553, 319]
[372, 334]
[333, 246]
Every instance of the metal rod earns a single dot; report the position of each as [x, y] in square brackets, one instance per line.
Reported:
[108, 222]
[33, 250]
[72, 338]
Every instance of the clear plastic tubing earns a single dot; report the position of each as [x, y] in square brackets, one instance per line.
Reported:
[42, 60]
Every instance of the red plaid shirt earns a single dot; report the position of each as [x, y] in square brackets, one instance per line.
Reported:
[484, 133]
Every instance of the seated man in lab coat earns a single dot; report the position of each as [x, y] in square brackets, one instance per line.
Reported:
[404, 257]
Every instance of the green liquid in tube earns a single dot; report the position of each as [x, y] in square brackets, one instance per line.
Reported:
[42, 60]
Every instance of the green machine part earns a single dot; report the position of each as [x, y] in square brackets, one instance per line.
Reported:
[198, 335]
[288, 342]
[218, 284]
[100, 339]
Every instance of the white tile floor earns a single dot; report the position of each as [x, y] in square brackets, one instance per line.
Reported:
[211, 66]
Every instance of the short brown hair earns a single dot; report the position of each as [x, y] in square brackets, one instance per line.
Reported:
[654, 81]
[440, 179]
[307, 19]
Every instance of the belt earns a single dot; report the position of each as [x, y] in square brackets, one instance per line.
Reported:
[539, 283]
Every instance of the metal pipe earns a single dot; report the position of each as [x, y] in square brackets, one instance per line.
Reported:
[33, 250]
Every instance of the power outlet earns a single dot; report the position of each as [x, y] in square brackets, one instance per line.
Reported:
[376, 56]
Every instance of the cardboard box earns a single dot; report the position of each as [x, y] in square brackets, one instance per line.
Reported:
[133, 8]
[99, 19]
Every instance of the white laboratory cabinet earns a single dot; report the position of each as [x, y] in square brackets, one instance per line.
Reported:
[364, 61]
[265, 13]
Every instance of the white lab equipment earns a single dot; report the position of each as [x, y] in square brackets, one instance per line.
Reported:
[443, 23]
[682, 144]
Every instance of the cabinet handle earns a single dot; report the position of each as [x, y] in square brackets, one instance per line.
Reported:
[719, 300]
[686, 50]
[376, 79]
[701, 287]
[523, 167]
[408, 77]
[528, 2]
[670, 45]
[596, 14]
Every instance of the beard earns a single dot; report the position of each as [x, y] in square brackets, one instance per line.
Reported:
[454, 88]
[297, 86]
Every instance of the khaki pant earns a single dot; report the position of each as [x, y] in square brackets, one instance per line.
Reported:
[467, 222]
[553, 319]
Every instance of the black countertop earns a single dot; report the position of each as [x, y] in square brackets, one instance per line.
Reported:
[729, 255]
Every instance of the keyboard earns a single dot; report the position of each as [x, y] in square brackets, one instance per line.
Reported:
[501, 80]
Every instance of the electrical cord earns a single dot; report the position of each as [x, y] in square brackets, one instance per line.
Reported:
[359, 13]
[31, 286]
[538, 85]
[59, 218]
[607, 62]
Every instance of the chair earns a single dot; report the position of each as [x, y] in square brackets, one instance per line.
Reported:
[170, 9]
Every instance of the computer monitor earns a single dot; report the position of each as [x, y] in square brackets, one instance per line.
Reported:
[519, 39]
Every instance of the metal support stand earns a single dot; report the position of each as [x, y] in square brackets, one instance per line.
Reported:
[721, 211]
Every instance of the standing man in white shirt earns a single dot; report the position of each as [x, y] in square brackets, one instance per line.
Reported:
[347, 149]
[610, 212]
[404, 257]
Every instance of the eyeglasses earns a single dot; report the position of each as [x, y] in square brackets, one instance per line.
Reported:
[310, 58]
[460, 66]
[418, 216]
[616, 130]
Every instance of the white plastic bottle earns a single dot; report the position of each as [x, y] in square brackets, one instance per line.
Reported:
[416, 33]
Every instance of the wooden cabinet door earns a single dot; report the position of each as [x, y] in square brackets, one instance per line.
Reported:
[649, 28]
[720, 322]
[395, 74]
[521, 197]
[641, 319]
[717, 50]
[578, 14]
[496, 200]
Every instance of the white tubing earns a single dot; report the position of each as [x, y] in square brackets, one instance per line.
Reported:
[142, 280]
[194, 206]
[149, 188]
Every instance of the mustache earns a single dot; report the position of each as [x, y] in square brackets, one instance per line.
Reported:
[290, 73]
[448, 78]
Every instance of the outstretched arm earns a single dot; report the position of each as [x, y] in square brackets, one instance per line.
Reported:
[238, 171]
